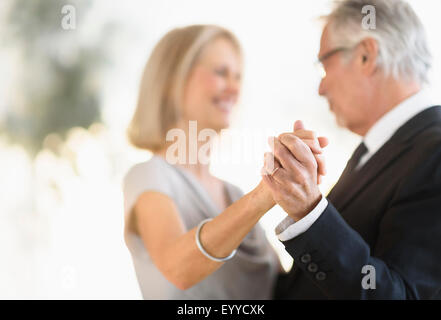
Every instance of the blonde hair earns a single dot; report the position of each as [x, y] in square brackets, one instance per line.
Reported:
[163, 82]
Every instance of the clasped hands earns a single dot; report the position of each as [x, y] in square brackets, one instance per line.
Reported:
[294, 169]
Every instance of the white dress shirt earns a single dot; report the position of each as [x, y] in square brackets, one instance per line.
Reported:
[374, 139]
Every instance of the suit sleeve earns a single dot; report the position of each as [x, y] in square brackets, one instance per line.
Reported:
[406, 257]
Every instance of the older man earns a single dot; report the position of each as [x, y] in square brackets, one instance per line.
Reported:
[377, 235]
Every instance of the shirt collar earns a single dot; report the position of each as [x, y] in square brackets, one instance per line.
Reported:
[389, 123]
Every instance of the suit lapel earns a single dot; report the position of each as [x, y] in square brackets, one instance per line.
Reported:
[345, 191]
[357, 180]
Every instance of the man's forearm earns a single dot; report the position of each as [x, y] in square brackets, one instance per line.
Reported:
[333, 255]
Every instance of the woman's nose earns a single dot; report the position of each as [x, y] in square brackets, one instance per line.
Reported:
[233, 85]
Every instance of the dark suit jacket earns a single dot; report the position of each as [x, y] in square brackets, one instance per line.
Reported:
[389, 218]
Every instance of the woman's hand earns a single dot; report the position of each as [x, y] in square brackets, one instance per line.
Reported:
[316, 144]
[262, 193]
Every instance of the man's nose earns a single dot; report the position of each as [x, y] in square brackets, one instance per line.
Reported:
[321, 88]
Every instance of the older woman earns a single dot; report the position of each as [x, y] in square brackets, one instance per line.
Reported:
[192, 235]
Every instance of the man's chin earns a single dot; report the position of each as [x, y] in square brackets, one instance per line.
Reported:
[340, 121]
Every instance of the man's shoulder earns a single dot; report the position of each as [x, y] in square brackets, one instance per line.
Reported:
[429, 138]
[424, 156]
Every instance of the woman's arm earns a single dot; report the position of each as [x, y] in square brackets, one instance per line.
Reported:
[174, 251]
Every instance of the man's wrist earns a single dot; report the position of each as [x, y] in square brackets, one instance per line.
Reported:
[289, 229]
[298, 216]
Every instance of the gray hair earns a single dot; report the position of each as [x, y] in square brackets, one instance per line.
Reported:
[403, 49]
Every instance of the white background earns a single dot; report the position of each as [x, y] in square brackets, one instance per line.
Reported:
[67, 243]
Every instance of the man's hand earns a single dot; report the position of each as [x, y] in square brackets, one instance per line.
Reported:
[315, 144]
[295, 171]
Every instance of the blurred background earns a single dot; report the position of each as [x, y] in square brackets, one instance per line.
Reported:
[67, 95]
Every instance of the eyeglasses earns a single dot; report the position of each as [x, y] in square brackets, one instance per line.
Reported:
[321, 59]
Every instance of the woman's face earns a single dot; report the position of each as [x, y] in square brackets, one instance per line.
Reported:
[213, 86]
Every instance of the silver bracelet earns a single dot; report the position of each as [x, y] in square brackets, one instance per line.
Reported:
[201, 248]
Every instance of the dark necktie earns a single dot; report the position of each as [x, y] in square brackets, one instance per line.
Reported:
[345, 179]
[356, 156]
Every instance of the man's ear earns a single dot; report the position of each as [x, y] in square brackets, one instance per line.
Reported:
[368, 55]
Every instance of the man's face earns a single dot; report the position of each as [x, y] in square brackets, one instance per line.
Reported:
[345, 86]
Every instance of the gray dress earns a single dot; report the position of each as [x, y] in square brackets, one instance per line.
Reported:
[249, 275]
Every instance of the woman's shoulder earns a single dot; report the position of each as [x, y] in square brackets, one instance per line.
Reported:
[152, 165]
[153, 169]
[151, 175]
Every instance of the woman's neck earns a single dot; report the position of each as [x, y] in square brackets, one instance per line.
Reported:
[187, 152]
